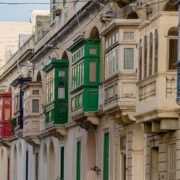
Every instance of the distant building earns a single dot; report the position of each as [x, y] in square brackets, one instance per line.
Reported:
[14, 34]
[10, 33]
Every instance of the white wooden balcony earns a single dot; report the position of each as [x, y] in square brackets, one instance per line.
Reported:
[156, 105]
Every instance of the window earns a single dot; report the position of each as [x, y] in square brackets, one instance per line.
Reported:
[61, 90]
[128, 58]
[35, 92]
[150, 54]
[140, 59]
[111, 40]
[106, 157]
[92, 71]
[78, 75]
[16, 103]
[78, 161]
[128, 36]
[79, 54]
[156, 49]
[7, 101]
[35, 105]
[111, 62]
[76, 102]
[7, 114]
[145, 56]
[50, 87]
[173, 47]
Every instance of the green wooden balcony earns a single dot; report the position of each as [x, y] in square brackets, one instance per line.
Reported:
[85, 76]
[56, 107]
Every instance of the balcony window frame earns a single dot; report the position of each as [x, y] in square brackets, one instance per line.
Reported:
[133, 60]
[145, 57]
[171, 37]
[156, 51]
[151, 54]
[112, 62]
[35, 99]
[140, 59]
[50, 87]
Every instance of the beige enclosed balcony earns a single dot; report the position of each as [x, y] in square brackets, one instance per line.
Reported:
[117, 93]
[156, 104]
[32, 109]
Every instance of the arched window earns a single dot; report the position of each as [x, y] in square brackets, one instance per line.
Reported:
[173, 47]
[132, 15]
[140, 59]
[39, 78]
[156, 44]
[150, 54]
[145, 56]
[170, 7]
[94, 34]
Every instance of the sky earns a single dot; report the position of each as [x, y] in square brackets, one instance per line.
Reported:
[20, 13]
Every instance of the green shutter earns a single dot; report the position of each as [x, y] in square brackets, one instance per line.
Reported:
[106, 157]
[78, 161]
[62, 163]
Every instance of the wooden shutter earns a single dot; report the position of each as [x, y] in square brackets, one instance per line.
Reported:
[78, 161]
[36, 166]
[27, 161]
[8, 172]
[62, 163]
[106, 157]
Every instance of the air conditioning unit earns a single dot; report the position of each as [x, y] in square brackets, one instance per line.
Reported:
[148, 9]
[57, 12]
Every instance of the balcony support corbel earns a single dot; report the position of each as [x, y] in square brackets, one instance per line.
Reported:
[87, 120]
[5, 143]
[123, 118]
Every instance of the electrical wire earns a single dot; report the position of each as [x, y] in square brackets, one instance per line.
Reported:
[41, 3]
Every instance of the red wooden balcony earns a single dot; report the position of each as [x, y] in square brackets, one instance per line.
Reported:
[5, 114]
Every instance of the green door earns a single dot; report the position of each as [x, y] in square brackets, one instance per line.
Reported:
[62, 163]
[106, 157]
[78, 161]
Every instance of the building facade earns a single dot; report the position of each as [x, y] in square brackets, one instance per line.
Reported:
[94, 96]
